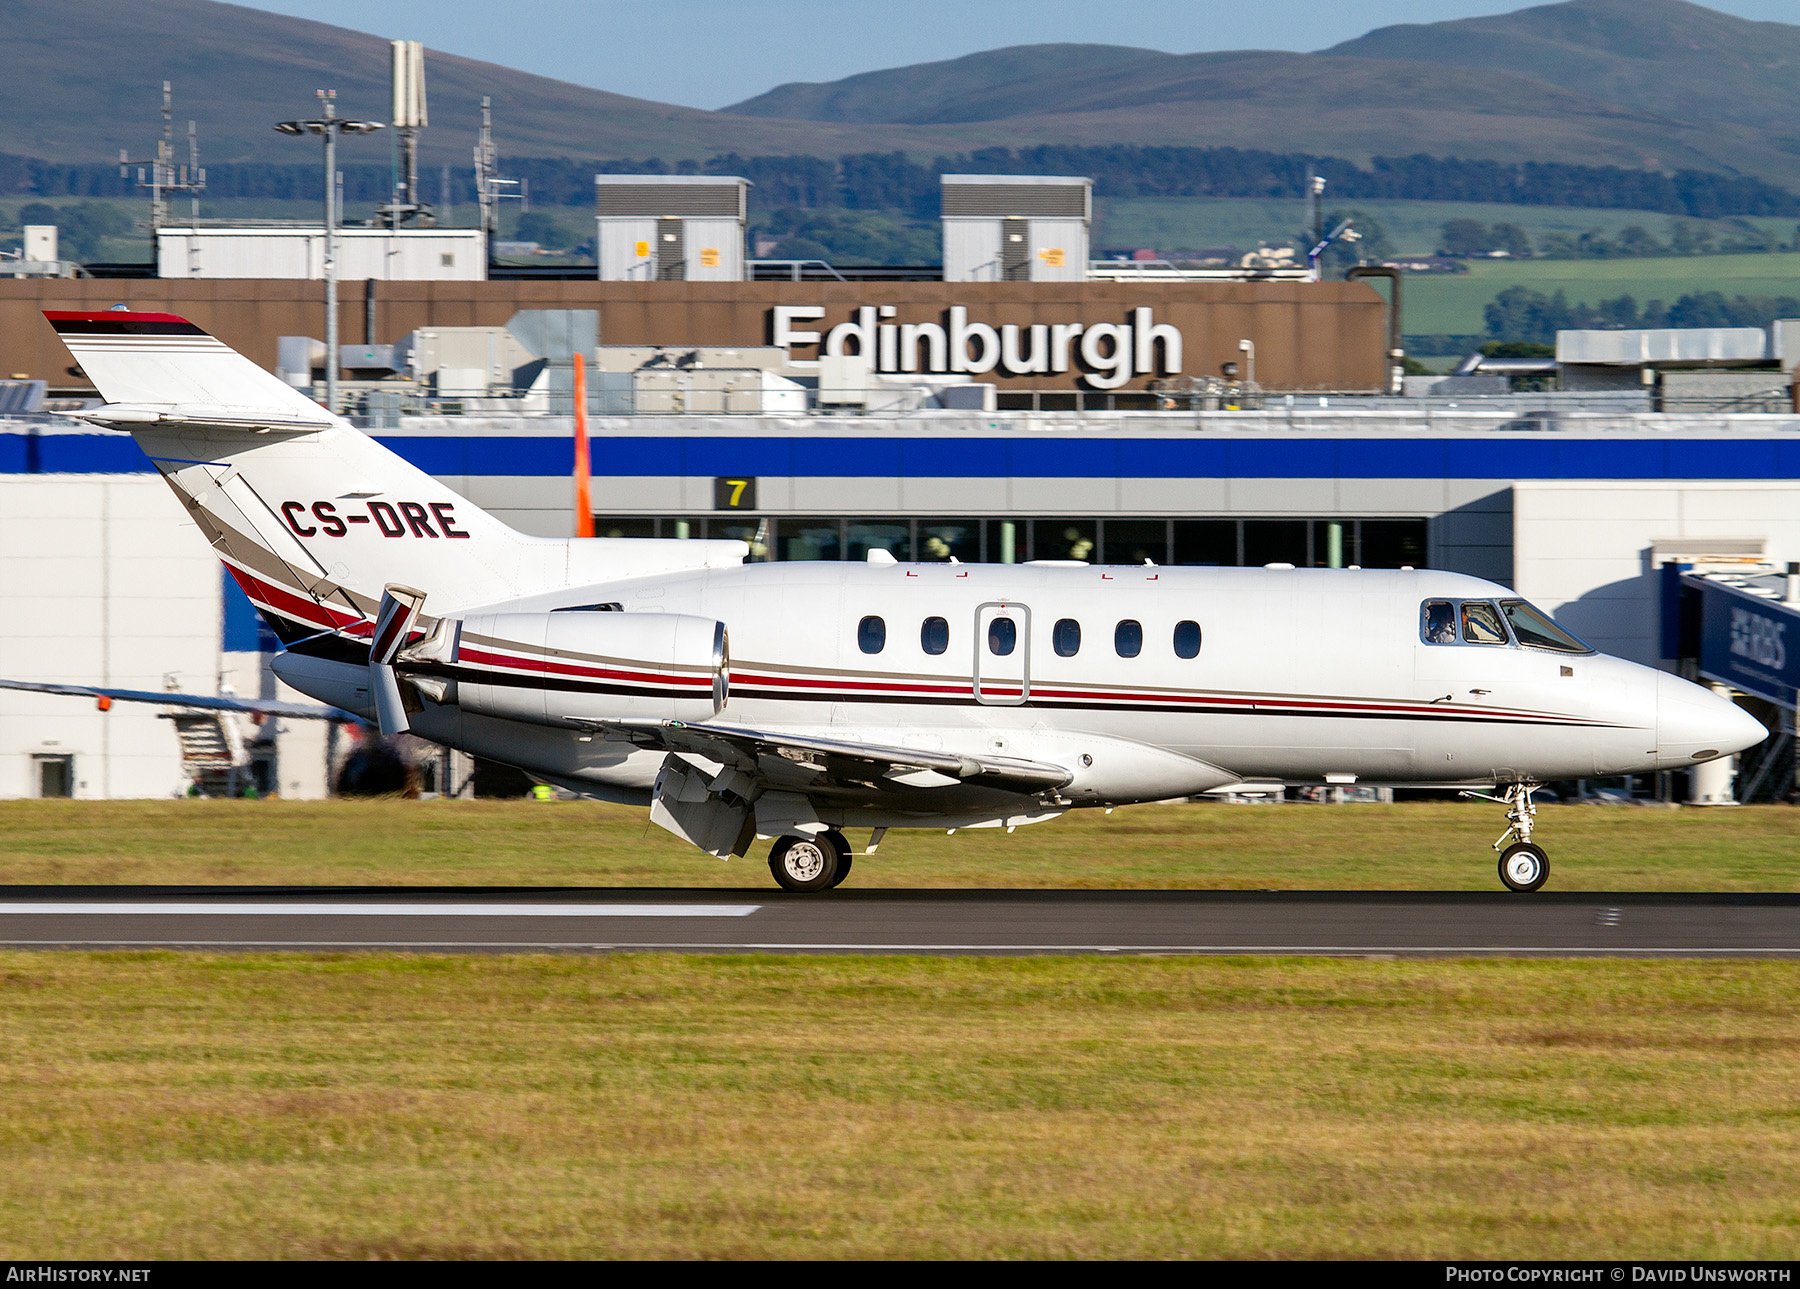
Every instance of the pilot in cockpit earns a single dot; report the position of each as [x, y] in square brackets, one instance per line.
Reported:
[1440, 623]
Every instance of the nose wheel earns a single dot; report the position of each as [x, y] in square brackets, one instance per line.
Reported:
[1523, 865]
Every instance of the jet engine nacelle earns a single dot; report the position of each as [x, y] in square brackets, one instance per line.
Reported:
[582, 664]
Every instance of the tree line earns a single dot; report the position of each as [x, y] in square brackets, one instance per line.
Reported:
[899, 182]
[1522, 315]
[1473, 239]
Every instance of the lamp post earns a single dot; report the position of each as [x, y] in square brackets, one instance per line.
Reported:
[330, 125]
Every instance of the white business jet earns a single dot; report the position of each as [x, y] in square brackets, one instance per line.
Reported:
[794, 701]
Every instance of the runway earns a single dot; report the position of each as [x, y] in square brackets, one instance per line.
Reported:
[989, 922]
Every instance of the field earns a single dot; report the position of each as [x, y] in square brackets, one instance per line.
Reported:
[188, 1105]
[1452, 304]
[1410, 846]
[1412, 226]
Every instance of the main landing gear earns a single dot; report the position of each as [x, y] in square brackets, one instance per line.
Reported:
[814, 863]
[1523, 865]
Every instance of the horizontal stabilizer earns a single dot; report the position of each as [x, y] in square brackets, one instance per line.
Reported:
[160, 360]
[203, 702]
[195, 416]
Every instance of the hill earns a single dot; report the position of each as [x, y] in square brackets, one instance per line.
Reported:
[979, 87]
[1641, 84]
[1663, 56]
[84, 79]
[1656, 84]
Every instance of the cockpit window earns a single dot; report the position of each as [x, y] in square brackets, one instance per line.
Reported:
[1534, 629]
[1439, 626]
[1481, 623]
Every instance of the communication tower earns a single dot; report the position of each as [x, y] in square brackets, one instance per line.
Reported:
[407, 80]
[487, 184]
[164, 176]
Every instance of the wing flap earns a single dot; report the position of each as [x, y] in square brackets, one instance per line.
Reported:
[791, 758]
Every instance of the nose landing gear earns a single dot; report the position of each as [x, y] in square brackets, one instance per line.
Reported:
[1523, 865]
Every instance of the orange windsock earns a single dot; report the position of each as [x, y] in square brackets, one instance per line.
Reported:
[584, 509]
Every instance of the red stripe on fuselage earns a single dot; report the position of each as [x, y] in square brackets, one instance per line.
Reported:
[516, 663]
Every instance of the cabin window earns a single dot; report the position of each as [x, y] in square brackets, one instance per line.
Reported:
[1187, 639]
[934, 635]
[1003, 636]
[1534, 629]
[1066, 638]
[1439, 626]
[1128, 638]
[1481, 623]
[871, 635]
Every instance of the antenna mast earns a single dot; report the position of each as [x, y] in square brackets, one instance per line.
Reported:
[407, 78]
[164, 176]
[487, 184]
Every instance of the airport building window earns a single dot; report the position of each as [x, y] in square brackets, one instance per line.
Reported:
[1391, 543]
[1128, 638]
[1207, 541]
[1187, 639]
[1314, 543]
[934, 635]
[624, 526]
[942, 540]
[1065, 637]
[891, 535]
[1132, 541]
[808, 539]
[1276, 541]
[871, 635]
[1003, 636]
[1076, 539]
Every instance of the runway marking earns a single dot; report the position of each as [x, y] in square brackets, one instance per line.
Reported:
[277, 908]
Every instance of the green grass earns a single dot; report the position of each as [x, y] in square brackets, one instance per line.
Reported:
[1452, 304]
[1412, 226]
[165, 1105]
[1410, 846]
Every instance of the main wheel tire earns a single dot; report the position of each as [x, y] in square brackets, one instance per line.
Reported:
[804, 864]
[845, 859]
[1524, 867]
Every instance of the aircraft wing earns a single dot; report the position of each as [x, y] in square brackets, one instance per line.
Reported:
[799, 760]
[204, 702]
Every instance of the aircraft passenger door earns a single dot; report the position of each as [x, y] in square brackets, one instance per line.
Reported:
[1002, 653]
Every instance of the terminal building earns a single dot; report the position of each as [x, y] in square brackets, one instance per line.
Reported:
[1018, 410]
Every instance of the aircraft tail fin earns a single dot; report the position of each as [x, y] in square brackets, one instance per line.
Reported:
[313, 517]
[145, 361]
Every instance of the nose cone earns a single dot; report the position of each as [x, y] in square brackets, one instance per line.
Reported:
[1694, 724]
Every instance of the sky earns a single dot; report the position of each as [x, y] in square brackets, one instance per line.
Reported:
[710, 53]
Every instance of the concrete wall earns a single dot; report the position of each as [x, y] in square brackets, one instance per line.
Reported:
[1582, 549]
[105, 581]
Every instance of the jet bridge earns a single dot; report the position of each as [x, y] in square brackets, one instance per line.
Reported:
[1738, 628]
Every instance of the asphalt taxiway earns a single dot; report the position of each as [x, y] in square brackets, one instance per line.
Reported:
[465, 919]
